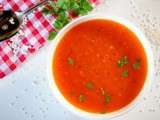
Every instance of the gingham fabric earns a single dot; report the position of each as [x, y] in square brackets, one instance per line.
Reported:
[31, 38]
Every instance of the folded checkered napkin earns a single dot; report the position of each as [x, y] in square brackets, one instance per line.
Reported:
[31, 37]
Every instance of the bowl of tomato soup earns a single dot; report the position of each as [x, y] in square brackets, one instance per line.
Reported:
[100, 66]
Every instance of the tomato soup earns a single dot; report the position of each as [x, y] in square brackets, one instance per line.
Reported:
[100, 66]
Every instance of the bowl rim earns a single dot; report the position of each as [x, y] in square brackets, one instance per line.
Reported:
[148, 82]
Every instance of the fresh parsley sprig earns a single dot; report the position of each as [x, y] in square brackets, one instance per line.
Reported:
[60, 10]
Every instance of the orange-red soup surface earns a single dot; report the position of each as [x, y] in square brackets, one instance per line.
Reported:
[100, 66]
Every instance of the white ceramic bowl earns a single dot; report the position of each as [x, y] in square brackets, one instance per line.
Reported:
[130, 106]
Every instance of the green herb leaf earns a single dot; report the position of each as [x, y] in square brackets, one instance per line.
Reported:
[137, 64]
[52, 35]
[107, 98]
[70, 61]
[63, 4]
[88, 7]
[51, 3]
[62, 20]
[89, 85]
[120, 64]
[55, 11]
[125, 73]
[122, 61]
[58, 25]
[82, 12]
[85, 7]
[45, 11]
[54, 8]
[74, 5]
[65, 22]
[81, 98]
[60, 8]
[63, 17]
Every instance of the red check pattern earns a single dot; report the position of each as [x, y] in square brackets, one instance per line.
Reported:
[31, 38]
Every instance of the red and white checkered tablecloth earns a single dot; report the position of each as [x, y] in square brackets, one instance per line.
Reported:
[31, 38]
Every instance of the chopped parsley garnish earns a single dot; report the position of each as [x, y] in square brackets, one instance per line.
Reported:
[70, 61]
[123, 61]
[124, 73]
[107, 98]
[137, 64]
[89, 85]
[81, 98]
[105, 95]
[60, 9]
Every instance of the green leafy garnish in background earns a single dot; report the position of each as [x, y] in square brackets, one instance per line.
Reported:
[52, 35]
[84, 7]
[58, 25]
[46, 11]
[60, 10]
[74, 5]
